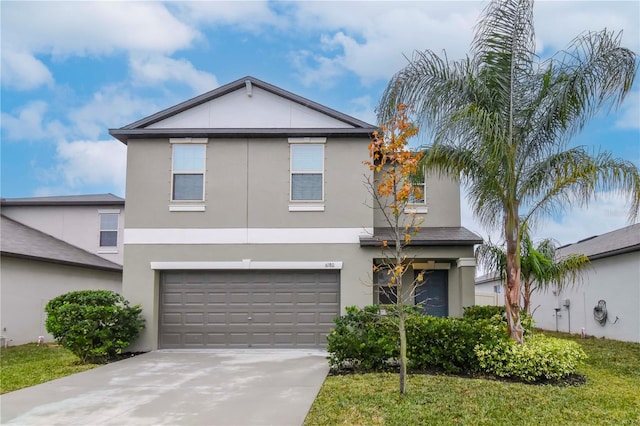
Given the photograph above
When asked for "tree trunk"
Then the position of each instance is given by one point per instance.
(512, 293)
(403, 351)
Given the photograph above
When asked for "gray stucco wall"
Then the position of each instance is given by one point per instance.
(246, 186)
(442, 201)
(28, 285)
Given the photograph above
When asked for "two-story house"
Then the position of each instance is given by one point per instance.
(50, 246)
(249, 224)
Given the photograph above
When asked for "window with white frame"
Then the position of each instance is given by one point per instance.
(108, 229)
(187, 181)
(307, 172)
(418, 195)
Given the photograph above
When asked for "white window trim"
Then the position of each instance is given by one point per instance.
(308, 139)
(189, 140)
(187, 208)
(291, 172)
(306, 207)
(204, 169)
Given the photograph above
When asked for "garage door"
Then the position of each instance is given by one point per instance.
(216, 309)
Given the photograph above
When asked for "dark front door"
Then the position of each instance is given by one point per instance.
(433, 293)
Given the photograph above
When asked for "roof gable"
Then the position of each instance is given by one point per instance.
(245, 107)
(22, 241)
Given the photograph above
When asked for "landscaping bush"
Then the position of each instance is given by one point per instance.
(539, 358)
(362, 340)
(447, 344)
(480, 312)
(93, 324)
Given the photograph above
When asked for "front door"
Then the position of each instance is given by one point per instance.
(433, 293)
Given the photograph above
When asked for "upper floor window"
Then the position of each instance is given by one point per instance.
(188, 172)
(108, 229)
(307, 172)
(418, 196)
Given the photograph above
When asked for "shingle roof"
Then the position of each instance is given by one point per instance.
(66, 200)
(18, 240)
(139, 128)
(428, 236)
(620, 241)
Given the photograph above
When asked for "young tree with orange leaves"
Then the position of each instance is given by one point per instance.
(394, 168)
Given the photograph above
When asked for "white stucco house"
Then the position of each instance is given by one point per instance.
(50, 246)
(606, 303)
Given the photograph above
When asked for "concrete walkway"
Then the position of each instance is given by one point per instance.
(221, 387)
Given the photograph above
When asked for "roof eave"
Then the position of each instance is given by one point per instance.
(115, 268)
(123, 135)
(371, 242)
(9, 203)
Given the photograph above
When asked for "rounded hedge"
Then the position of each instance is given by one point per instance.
(96, 325)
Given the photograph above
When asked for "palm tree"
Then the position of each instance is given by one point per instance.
(501, 120)
(540, 265)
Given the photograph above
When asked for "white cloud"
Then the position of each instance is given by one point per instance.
(22, 71)
(247, 15)
(89, 163)
(363, 108)
(374, 45)
(111, 106)
(29, 123)
(580, 16)
(629, 117)
(158, 69)
(62, 28)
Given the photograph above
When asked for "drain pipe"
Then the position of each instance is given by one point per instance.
(567, 304)
(557, 314)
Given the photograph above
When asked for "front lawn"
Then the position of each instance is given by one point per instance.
(28, 365)
(610, 396)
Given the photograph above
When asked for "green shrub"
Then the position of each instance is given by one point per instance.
(447, 344)
(479, 312)
(93, 324)
(363, 340)
(539, 358)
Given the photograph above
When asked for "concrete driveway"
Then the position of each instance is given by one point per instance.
(220, 387)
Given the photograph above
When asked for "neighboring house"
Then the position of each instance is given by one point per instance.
(489, 290)
(249, 224)
(91, 222)
(611, 284)
(35, 267)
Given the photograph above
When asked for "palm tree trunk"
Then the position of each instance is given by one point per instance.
(512, 293)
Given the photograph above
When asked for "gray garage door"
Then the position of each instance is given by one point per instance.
(215, 309)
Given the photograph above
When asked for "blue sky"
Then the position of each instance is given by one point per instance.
(72, 70)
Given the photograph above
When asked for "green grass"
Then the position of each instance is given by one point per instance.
(610, 396)
(28, 365)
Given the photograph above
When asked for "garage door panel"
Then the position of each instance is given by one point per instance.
(212, 308)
